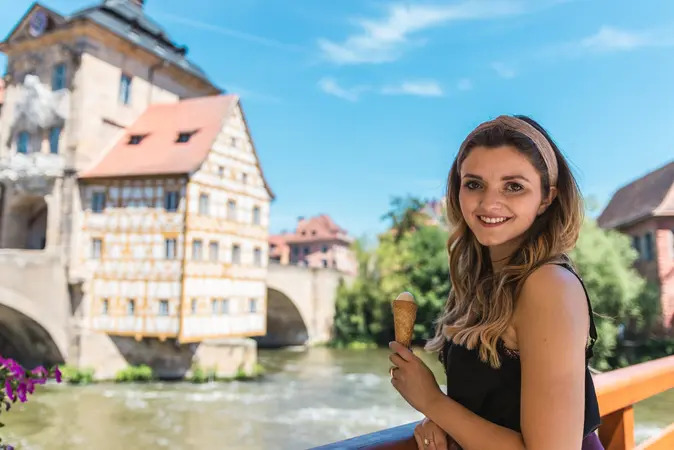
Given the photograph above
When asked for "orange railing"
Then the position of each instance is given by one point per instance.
(618, 391)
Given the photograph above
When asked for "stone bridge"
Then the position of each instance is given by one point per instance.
(300, 305)
(34, 307)
(36, 323)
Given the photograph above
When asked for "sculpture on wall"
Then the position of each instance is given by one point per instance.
(36, 109)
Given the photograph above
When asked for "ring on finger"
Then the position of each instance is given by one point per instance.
(426, 442)
(391, 370)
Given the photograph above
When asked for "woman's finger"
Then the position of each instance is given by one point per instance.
(418, 438)
(396, 359)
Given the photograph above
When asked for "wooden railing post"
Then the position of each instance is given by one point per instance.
(617, 430)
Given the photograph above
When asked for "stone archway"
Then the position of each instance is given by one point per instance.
(26, 223)
(285, 325)
(26, 341)
(29, 332)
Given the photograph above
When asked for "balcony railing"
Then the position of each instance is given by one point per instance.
(618, 391)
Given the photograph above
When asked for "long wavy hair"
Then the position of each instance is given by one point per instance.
(481, 302)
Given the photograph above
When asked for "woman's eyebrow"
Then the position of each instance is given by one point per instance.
(503, 178)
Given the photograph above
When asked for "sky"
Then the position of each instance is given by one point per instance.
(352, 102)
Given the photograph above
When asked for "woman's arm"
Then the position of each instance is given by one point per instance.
(551, 322)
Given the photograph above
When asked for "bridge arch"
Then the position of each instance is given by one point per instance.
(285, 324)
(27, 335)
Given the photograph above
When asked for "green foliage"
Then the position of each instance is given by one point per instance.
(76, 375)
(413, 257)
(199, 374)
(134, 374)
(410, 258)
(619, 295)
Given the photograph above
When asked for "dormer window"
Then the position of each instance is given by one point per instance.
(136, 139)
(184, 136)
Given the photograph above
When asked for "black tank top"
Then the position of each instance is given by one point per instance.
(494, 394)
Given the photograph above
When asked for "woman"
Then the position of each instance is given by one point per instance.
(517, 332)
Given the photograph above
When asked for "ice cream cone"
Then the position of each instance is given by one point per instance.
(404, 315)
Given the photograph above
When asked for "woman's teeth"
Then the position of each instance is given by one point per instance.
(493, 219)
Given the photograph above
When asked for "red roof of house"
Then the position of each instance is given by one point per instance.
(319, 228)
(158, 127)
(650, 195)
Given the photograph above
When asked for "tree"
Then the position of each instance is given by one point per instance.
(619, 295)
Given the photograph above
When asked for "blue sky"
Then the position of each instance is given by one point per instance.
(353, 101)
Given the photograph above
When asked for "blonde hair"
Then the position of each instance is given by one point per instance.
(481, 303)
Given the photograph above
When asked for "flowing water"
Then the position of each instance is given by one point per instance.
(308, 398)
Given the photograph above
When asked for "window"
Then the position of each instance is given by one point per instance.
(58, 77)
(636, 244)
(130, 307)
(296, 251)
(105, 306)
(233, 142)
(54, 137)
(96, 248)
(221, 172)
(170, 248)
(203, 204)
(244, 178)
(163, 307)
(171, 201)
(252, 305)
(193, 306)
(214, 306)
(325, 263)
(648, 246)
(306, 250)
(257, 256)
(97, 202)
(231, 210)
(213, 250)
(125, 89)
(256, 215)
(22, 142)
(224, 306)
(197, 250)
(236, 254)
(136, 139)
(325, 249)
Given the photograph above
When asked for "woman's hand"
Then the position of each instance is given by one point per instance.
(412, 378)
(429, 436)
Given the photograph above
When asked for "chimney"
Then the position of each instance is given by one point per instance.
(139, 3)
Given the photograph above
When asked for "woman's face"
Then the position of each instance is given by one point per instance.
(500, 196)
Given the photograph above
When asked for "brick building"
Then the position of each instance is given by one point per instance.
(644, 210)
(316, 242)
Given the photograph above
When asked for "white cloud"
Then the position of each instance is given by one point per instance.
(386, 38)
(610, 39)
(464, 84)
(330, 86)
(230, 32)
(420, 88)
(248, 94)
(503, 70)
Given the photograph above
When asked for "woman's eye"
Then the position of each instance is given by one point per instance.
(514, 187)
(472, 185)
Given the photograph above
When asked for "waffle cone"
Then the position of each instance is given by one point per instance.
(404, 315)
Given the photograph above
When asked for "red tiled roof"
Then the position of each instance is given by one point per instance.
(158, 153)
(650, 195)
(319, 228)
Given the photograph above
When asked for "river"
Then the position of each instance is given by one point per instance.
(308, 398)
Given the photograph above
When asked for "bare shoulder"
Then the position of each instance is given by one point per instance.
(555, 298)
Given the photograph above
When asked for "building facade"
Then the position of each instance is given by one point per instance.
(316, 242)
(644, 210)
(119, 156)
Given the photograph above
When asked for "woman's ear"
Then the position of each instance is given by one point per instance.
(546, 202)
